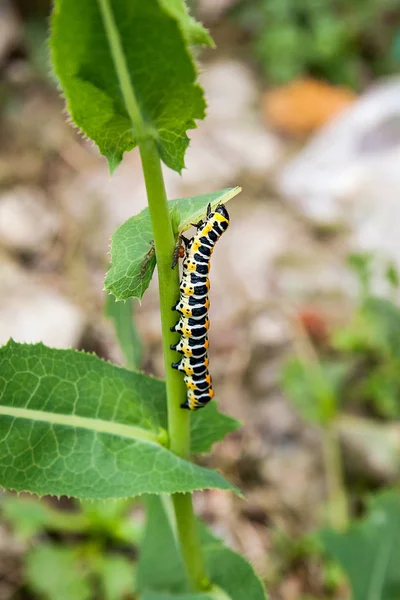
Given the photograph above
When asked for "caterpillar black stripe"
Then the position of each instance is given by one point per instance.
(193, 305)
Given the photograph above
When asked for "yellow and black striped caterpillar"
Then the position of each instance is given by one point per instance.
(193, 305)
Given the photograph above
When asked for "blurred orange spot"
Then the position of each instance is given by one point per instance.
(304, 105)
(315, 324)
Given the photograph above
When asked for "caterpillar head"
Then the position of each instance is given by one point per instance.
(222, 211)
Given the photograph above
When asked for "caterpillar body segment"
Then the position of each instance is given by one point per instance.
(191, 346)
(189, 327)
(191, 365)
(193, 305)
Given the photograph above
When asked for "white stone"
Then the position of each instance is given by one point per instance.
(31, 312)
(26, 223)
(358, 148)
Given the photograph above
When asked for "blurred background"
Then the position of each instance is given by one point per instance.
(304, 114)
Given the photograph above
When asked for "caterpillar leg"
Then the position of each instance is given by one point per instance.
(179, 251)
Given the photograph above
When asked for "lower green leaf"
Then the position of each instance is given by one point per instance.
(230, 571)
(73, 424)
(161, 573)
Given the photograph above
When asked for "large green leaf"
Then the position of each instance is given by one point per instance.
(132, 251)
(161, 575)
(369, 552)
(73, 424)
(154, 70)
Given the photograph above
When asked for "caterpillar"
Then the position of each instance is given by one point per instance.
(193, 305)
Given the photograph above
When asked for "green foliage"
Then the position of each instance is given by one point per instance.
(107, 95)
(362, 366)
(57, 573)
(336, 40)
(76, 425)
(314, 388)
(369, 552)
(132, 251)
(121, 314)
(371, 340)
(231, 574)
(116, 577)
(54, 572)
(164, 596)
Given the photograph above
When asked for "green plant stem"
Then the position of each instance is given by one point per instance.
(189, 540)
(178, 419)
(338, 502)
(168, 284)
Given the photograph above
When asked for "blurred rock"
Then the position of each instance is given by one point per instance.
(269, 331)
(27, 223)
(277, 420)
(232, 140)
(293, 470)
(304, 105)
(30, 312)
(355, 153)
(20, 167)
(264, 375)
(9, 30)
(371, 449)
(211, 10)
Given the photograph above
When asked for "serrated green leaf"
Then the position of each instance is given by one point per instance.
(73, 424)
(230, 574)
(154, 72)
(121, 314)
(193, 31)
(132, 252)
(55, 573)
(369, 552)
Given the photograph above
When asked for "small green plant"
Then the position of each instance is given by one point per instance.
(358, 370)
(94, 552)
(369, 551)
(370, 344)
(72, 424)
(336, 40)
